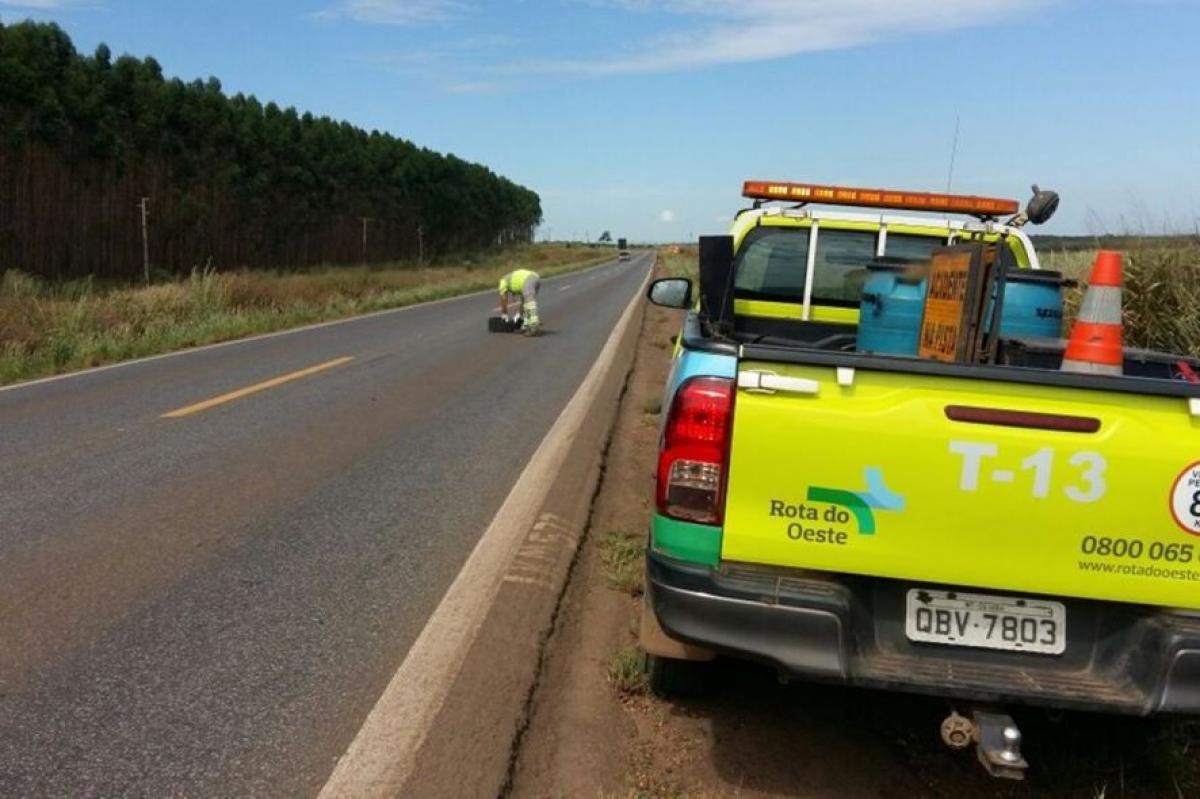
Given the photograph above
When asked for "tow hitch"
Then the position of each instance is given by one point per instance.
(996, 737)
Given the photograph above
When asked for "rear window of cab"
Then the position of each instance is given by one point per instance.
(773, 261)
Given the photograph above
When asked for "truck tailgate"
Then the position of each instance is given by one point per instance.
(918, 477)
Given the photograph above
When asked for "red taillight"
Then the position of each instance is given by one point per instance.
(693, 460)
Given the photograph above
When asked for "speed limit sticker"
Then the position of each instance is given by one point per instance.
(1185, 499)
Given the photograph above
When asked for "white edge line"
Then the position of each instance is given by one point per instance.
(274, 334)
(382, 755)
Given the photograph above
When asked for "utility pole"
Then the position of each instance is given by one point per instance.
(421, 245)
(145, 240)
(365, 221)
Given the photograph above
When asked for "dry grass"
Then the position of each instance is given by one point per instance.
(625, 671)
(1162, 294)
(680, 261)
(1162, 299)
(621, 552)
(46, 329)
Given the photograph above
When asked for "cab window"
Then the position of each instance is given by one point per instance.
(841, 269)
(912, 248)
(772, 263)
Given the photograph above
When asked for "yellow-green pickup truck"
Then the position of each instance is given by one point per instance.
(994, 533)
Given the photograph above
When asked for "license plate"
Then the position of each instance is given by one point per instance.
(986, 622)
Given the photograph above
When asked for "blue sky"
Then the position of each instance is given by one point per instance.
(644, 116)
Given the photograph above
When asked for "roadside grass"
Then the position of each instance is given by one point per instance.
(1161, 301)
(625, 671)
(680, 261)
(50, 328)
(621, 553)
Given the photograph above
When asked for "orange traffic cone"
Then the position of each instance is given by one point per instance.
(1095, 345)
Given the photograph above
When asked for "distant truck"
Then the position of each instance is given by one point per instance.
(985, 533)
(623, 249)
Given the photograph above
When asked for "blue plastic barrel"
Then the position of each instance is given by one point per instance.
(1033, 305)
(889, 313)
(892, 305)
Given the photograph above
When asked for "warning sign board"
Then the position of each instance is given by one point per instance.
(951, 304)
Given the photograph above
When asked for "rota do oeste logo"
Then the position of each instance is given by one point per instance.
(825, 516)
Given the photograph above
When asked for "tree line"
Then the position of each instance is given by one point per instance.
(230, 181)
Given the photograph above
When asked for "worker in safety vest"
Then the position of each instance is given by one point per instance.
(521, 286)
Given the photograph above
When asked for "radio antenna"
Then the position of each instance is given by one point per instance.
(953, 154)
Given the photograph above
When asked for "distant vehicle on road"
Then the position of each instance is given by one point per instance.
(833, 505)
(623, 249)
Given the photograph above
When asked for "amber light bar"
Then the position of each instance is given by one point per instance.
(879, 198)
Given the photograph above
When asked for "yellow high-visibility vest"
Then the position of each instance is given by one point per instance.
(514, 282)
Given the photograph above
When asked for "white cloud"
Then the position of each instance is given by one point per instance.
(39, 4)
(732, 31)
(391, 12)
(667, 216)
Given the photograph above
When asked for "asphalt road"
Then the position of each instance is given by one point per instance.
(210, 603)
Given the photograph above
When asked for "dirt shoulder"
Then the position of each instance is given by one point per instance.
(594, 732)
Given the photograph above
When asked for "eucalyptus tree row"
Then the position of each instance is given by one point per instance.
(229, 181)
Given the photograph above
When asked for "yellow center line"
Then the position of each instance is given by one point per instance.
(254, 389)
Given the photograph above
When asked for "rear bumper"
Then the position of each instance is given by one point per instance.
(1119, 658)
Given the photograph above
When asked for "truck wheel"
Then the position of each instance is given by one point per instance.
(669, 677)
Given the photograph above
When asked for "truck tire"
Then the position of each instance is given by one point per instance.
(668, 677)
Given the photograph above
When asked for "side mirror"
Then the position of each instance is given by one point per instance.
(671, 292)
(1041, 206)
